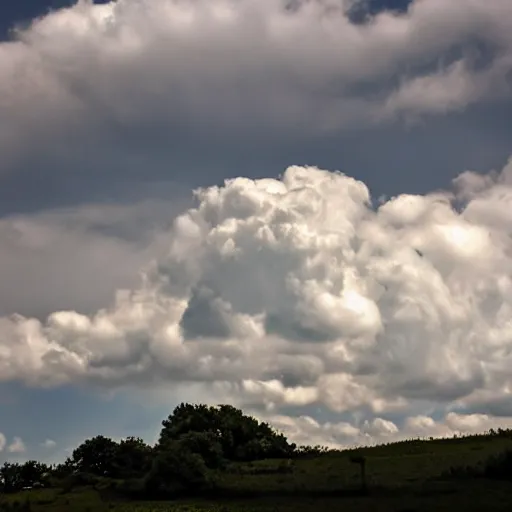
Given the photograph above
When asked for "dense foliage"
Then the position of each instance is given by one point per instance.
(195, 441)
(14, 476)
(217, 458)
(226, 431)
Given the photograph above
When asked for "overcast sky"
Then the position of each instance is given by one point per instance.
(299, 207)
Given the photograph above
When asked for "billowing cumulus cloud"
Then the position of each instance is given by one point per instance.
(14, 448)
(309, 431)
(272, 61)
(144, 83)
(289, 294)
(17, 446)
(300, 291)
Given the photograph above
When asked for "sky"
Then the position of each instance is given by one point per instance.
(300, 207)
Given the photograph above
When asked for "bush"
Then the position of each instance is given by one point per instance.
(205, 444)
(496, 467)
(499, 467)
(78, 479)
(176, 471)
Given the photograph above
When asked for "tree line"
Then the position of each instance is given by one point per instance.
(197, 445)
(196, 442)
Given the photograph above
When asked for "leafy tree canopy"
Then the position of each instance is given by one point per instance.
(102, 456)
(194, 442)
(15, 476)
(239, 436)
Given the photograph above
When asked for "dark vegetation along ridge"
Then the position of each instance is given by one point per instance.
(218, 459)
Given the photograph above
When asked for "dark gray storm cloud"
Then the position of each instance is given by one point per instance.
(101, 100)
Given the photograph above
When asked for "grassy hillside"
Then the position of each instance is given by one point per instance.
(406, 476)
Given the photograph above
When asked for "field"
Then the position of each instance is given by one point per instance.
(408, 476)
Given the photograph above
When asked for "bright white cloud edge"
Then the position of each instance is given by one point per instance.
(448, 344)
(297, 292)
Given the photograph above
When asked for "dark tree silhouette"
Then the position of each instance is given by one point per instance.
(132, 458)
(14, 476)
(176, 470)
(95, 456)
(240, 437)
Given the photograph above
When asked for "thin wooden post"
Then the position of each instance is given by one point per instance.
(361, 460)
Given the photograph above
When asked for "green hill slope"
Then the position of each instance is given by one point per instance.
(405, 476)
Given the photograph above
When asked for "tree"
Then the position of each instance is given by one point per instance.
(15, 476)
(33, 472)
(175, 470)
(132, 458)
(187, 418)
(10, 476)
(240, 437)
(205, 444)
(96, 456)
(63, 469)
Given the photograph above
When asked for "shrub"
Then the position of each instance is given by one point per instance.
(499, 466)
(176, 470)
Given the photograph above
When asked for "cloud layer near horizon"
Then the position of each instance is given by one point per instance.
(299, 292)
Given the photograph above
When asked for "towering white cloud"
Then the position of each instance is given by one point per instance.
(298, 291)
(295, 292)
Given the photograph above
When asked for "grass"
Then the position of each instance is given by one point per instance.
(409, 476)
